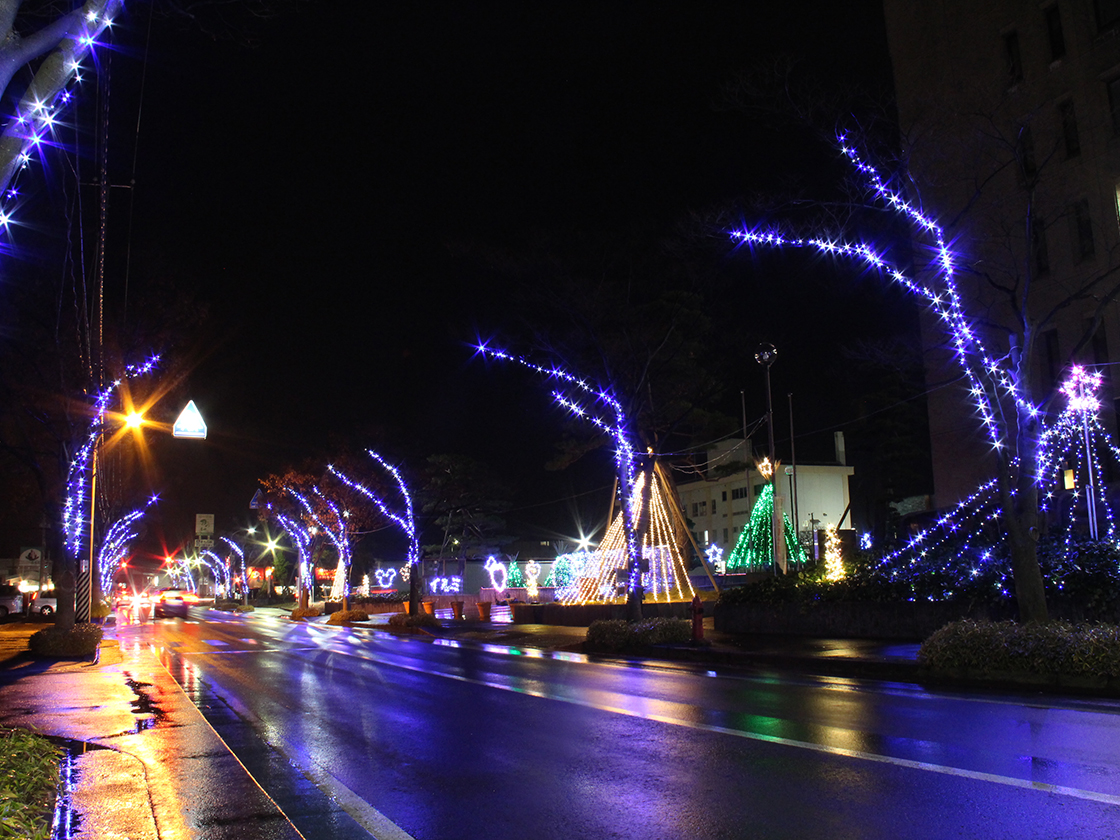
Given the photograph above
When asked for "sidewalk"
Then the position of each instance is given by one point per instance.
(153, 768)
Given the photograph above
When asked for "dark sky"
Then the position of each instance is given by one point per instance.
(319, 192)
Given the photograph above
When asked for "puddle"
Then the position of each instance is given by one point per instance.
(66, 821)
(147, 712)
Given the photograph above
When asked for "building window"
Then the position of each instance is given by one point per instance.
(725, 536)
(713, 507)
(724, 495)
(740, 492)
(1013, 57)
(1070, 136)
(1054, 33)
(1082, 229)
(1039, 251)
(1108, 14)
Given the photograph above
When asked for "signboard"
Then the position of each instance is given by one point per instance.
(189, 424)
(203, 543)
(257, 500)
(204, 524)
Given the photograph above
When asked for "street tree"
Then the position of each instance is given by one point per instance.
(314, 506)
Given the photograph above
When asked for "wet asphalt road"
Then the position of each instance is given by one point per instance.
(442, 741)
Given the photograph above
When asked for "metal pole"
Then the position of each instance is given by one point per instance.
(1091, 489)
(793, 463)
(746, 441)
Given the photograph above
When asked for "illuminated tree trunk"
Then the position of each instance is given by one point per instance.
(637, 564)
(414, 577)
(65, 37)
(1022, 520)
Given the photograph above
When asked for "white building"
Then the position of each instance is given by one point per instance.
(719, 508)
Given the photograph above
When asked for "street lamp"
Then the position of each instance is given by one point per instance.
(765, 356)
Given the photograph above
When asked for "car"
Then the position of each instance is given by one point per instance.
(11, 600)
(42, 604)
(173, 601)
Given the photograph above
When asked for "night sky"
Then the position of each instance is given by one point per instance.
(321, 196)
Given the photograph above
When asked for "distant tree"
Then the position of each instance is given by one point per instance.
(466, 500)
(332, 514)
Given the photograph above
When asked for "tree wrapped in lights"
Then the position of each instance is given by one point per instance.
(1077, 436)
(78, 505)
(114, 545)
(219, 571)
(997, 381)
(405, 520)
(570, 393)
(516, 578)
(243, 576)
(66, 42)
(532, 573)
(303, 539)
(754, 550)
(833, 558)
(329, 514)
(565, 571)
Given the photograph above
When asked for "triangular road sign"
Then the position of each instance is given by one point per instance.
(190, 423)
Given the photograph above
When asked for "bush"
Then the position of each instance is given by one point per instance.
(300, 613)
(100, 609)
(617, 635)
(80, 641)
(346, 616)
(29, 774)
(421, 619)
(1054, 648)
(383, 598)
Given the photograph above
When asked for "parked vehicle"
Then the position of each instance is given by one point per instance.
(11, 600)
(43, 604)
(174, 602)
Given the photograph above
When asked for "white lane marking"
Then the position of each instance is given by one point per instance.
(1010, 781)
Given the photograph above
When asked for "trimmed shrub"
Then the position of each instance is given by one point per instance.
(1054, 648)
(617, 635)
(300, 613)
(79, 641)
(100, 609)
(346, 616)
(419, 620)
(226, 605)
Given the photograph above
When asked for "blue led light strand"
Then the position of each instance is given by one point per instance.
(617, 425)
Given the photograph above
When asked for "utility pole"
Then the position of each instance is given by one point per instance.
(765, 356)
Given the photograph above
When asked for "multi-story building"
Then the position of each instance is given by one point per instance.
(1010, 119)
(718, 508)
